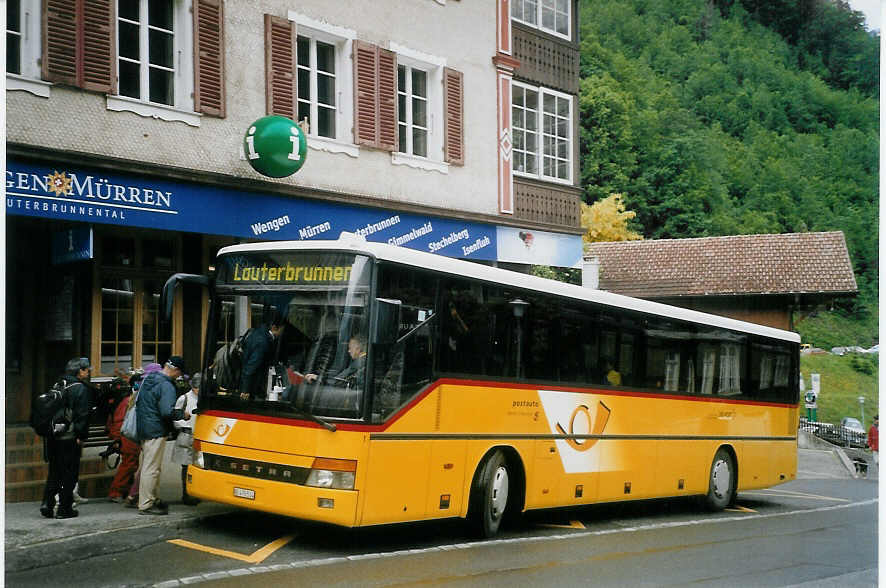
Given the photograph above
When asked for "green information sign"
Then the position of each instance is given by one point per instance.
(275, 146)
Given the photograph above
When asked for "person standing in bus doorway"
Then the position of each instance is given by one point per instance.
(258, 354)
(156, 399)
(183, 450)
(874, 439)
(63, 449)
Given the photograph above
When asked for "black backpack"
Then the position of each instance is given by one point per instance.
(48, 410)
(228, 362)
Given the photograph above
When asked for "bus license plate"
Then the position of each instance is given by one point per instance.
(244, 493)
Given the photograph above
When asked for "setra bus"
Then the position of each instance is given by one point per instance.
(408, 386)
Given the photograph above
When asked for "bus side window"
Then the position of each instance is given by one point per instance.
(458, 311)
(388, 386)
(402, 369)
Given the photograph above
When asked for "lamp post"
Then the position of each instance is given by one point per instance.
(519, 308)
(861, 403)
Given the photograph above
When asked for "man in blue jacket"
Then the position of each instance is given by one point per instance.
(156, 399)
(259, 349)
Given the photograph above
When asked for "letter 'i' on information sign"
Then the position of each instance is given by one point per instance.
(275, 146)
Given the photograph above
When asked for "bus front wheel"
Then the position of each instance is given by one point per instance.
(721, 482)
(489, 496)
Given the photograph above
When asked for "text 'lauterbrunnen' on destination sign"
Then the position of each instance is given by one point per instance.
(291, 274)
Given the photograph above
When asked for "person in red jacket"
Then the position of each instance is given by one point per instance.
(129, 450)
(874, 439)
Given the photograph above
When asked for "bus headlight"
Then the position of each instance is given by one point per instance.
(198, 456)
(332, 473)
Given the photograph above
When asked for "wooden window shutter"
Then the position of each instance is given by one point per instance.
(453, 114)
(78, 44)
(375, 96)
(280, 66)
(61, 21)
(98, 69)
(209, 57)
(365, 94)
(388, 137)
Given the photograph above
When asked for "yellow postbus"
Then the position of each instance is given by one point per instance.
(407, 386)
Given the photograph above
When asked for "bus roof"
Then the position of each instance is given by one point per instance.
(349, 242)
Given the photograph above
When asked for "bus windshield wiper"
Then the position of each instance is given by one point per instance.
(312, 417)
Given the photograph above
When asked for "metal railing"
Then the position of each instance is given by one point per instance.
(835, 434)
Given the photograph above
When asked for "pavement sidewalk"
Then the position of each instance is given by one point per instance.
(33, 541)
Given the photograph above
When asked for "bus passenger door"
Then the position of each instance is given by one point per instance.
(397, 481)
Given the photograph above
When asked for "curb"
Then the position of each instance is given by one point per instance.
(847, 463)
(60, 549)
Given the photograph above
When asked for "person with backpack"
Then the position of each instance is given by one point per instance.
(63, 445)
(154, 409)
(131, 500)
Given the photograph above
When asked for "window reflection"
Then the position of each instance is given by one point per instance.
(118, 296)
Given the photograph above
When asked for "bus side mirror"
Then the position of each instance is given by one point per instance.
(168, 297)
(386, 321)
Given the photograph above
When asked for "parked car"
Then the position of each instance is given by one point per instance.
(853, 432)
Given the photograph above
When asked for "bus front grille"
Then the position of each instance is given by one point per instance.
(256, 469)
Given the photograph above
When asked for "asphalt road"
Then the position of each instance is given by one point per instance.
(817, 532)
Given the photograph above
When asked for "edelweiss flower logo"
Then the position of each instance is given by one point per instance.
(59, 183)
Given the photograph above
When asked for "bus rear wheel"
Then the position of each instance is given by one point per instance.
(490, 494)
(721, 482)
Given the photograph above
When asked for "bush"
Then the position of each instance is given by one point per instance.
(863, 364)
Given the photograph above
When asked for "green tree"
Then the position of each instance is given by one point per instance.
(734, 117)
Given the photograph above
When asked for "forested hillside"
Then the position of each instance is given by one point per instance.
(722, 117)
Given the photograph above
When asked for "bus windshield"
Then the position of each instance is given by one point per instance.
(289, 335)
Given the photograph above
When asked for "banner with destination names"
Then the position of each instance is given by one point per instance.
(71, 193)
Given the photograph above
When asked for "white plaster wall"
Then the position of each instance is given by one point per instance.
(462, 32)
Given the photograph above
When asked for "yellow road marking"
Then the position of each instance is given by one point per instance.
(738, 508)
(257, 557)
(267, 550)
(571, 525)
(790, 494)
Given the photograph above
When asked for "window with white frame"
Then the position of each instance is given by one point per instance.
(317, 85)
(420, 109)
(14, 36)
(153, 52)
(541, 121)
(412, 110)
(552, 16)
(23, 47)
(324, 83)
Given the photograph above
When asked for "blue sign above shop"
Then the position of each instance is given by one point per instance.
(94, 196)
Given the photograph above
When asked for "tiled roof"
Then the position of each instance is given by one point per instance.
(801, 263)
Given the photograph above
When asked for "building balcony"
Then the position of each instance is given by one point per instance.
(540, 202)
(546, 60)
